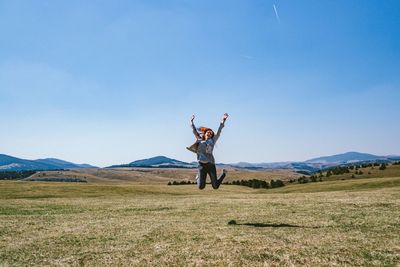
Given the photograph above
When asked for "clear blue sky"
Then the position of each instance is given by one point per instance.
(109, 82)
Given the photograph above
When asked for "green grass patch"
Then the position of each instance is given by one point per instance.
(42, 190)
(37, 210)
(339, 185)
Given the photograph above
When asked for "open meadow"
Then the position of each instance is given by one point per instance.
(352, 222)
(156, 175)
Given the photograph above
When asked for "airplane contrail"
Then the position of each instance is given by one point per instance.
(276, 13)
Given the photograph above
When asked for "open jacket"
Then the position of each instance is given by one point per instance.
(204, 148)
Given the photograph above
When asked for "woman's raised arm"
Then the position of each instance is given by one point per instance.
(222, 124)
(196, 134)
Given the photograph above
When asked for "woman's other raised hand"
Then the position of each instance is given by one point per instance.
(224, 117)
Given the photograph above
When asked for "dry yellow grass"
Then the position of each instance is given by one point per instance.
(159, 175)
(61, 224)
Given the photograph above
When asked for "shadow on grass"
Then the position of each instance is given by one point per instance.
(273, 225)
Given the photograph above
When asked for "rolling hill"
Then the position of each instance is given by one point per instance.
(308, 166)
(344, 158)
(316, 164)
(9, 163)
(157, 162)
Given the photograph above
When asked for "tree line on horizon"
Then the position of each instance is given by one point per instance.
(15, 175)
(253, 183)
(347, 169)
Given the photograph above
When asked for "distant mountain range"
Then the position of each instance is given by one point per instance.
(308, 166)
(9, 163)
(157, 162)
(316, 164)
(348, 157)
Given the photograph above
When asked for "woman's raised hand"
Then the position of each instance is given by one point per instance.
(225, 116)
(192, 119)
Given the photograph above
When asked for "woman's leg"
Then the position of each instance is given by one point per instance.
(213, 176)
(201, 176)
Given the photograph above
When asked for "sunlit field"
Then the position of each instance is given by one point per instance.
(352, 222)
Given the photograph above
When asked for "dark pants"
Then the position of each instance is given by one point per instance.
(208, 168)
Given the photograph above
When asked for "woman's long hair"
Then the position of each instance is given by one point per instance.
(203, 131)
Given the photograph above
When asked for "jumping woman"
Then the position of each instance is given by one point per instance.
(203, 147)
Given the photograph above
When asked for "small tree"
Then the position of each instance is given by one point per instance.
(264, 184)
(382, 167)
(255, 183)
(301, 180)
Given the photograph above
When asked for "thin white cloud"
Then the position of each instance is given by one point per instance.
(276, 13)
(247, 57)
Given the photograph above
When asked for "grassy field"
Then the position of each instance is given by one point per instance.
(353, 223)
(368, 172)
(162, 176)
(158, 175)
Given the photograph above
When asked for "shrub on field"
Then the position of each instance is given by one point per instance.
(15, 175)
(180, 182)
(253, 183)
(303, 180)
